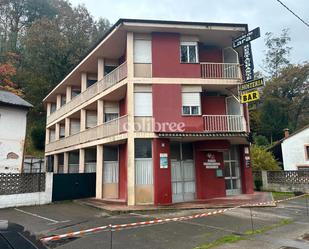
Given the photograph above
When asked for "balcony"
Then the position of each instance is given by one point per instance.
(117, 75)
(220, 71)
(224, 123)
(111, 128)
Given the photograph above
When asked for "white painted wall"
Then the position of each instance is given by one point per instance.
(293, 150)
(12, 137)
(29, 199)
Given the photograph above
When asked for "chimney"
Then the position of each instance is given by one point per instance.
(286, 132)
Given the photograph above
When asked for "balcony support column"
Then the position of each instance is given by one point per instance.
(130, 111)
(48, 108)
(83, 113)
(81, 161)
(58, 101)
(99, 172)
(47, 136)
(68, 94)
(57, 131)
(66, 162)
(100, 112)
(67, 127)
(101, 65)
(83, 82)
(56, 162)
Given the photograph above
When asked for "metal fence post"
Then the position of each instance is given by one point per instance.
(111, 238)
(252, 228)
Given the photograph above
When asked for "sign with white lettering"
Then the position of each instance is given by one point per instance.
(248, 62)
(251, 84)
(243, 39)
(211, 162)
(249, 97)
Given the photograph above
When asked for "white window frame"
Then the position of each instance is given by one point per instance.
(191, 106)
(187, 44)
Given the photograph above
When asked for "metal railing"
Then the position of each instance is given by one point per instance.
(115, 76)
(224, 123)
(107, 129)
(220, 70)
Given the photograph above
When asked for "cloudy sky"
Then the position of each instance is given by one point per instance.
(269, 15)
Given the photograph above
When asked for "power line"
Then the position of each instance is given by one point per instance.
(302, 20)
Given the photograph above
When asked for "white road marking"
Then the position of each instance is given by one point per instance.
(39, 216)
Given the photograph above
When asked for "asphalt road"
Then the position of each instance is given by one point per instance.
(69, 216)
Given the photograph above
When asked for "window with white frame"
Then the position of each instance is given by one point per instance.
(191, 103)
(143, 104)
(111, 111)
(188, 52)
(142, 51)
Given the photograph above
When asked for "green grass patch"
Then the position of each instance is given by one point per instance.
(282, 195)
(234, 238)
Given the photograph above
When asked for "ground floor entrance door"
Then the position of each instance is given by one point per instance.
(110, 172)
(232, 171)
(183, 173)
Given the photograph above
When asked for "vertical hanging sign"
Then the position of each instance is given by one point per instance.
(248, 62)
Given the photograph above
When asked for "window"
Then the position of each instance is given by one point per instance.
(74, 126)
(62, 131)
(53, 107)
(63, 100)
(75, 92)
(111, 111)
(110, 153)
(188, 52)
(90, 82)
(142, 51)
(191, 103)
(143, 148)
(91, 119)
(143, 104)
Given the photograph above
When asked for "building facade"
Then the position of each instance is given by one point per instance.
(13, 122)
(153, 109)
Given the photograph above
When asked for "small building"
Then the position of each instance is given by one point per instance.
(13, 122)
(292, 151)
(153, 110)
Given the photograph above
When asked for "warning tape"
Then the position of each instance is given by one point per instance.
(157, 221)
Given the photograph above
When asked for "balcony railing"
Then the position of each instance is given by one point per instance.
(107, 129)
(115, 76)
(220, 70)
(224, 123)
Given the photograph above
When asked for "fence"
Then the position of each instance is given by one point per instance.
(224, 123)
(283, 181)
(220, 70)
(33, 165)
(25, 189)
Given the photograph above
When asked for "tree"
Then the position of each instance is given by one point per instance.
(261, 140)
(278, 51)
(262, 159)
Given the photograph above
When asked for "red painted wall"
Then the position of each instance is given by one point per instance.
(210, 54)
(207, 184)
(123, 171)
(246, 173)
(162, 177)
(167, 104)
(166, 58)
(213, 105)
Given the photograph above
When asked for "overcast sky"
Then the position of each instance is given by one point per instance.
(269, 15)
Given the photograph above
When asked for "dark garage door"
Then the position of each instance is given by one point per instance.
(73, 186)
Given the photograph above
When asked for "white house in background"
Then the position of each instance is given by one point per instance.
(293, 150)
(13, 121)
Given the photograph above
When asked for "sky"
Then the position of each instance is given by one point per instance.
(269, 15)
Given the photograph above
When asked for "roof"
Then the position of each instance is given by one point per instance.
(12, 99)
(123, 21)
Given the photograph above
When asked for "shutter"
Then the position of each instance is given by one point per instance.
(191, 89)
(111, 107)
(52, 135)
(91, 119)
(142, 51)
(143, 104)
(191, 99)
(62, 130)
(75, 126)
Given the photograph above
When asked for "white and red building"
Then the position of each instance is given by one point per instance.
(153, 110)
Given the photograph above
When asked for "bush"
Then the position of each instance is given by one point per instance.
(262, 159)
(38, 137)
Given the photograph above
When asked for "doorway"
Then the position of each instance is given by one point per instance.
(232, 171)
(110, 172)
(183, 173)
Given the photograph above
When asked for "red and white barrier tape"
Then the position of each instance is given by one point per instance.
(157, 221)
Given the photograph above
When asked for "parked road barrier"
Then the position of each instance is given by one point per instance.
(157, 221)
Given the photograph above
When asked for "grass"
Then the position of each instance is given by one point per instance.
(234, 238)
(282, 195)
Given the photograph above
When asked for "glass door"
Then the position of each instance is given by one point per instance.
(232, 171)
